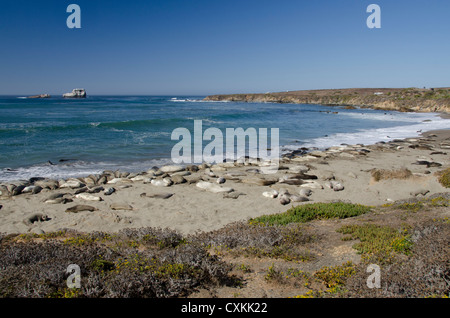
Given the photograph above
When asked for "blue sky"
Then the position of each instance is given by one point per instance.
(201, 47)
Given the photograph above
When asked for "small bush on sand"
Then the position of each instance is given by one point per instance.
(381, 174)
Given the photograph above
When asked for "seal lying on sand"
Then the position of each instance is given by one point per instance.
(35, 217)
(211, 187)
(121, 206)
(157, 196)
(59, 200)
(79, 208)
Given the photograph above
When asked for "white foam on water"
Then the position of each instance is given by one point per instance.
(372, 136)
(175, 99)
(391, 116)
(75, 169)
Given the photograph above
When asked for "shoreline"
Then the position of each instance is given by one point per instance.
(144, 200)
(80, 168)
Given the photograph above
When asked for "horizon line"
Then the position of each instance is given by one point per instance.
(196, 94)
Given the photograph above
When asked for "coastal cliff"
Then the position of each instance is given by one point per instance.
(399, 99)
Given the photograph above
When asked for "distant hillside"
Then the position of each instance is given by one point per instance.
(400, 99)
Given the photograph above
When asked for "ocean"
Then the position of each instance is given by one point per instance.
(61, 138)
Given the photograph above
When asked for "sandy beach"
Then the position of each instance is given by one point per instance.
(340, 173)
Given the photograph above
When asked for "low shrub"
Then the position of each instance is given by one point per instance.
(444, 178)
(424, 273)
(38, 268)
(378, 243)
(308, 212)
(255, 240)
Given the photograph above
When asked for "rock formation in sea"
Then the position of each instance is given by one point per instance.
(40, 96)
(76, 93)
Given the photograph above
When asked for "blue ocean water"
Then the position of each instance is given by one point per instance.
(59, 138)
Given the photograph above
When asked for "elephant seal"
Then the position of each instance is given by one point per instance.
(211, 187)
(109, 191)
(79, 208)
(121, 206)
(305, 192)
(270, 194)
(336, 186)
(88, 197)
(166, 182)
(285, 199)
(18, 190)
(35, 217)
(157, 196)
(232, 195)
(59, 200)
(297, 198)
(36, 189)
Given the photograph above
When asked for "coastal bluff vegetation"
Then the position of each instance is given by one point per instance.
(398, 99)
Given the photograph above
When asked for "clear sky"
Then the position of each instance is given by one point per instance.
(201, 47)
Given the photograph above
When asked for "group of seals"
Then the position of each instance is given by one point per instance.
(285, 197)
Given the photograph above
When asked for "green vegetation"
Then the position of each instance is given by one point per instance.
(289, 276)
(439, 202)
(412, 207)
(378, 243)
(283, 251)
(273, 274)
(417, 205)
(336, 276)
(444, 178)
(65, 293)
(101, 265)
(308, 212)
(244, 268)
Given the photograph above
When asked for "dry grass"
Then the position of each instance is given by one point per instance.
(382, 174)
(162, 263)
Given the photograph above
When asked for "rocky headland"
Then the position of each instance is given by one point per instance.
(399, 99)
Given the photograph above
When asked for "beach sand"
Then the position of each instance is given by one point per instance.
(191, 209)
